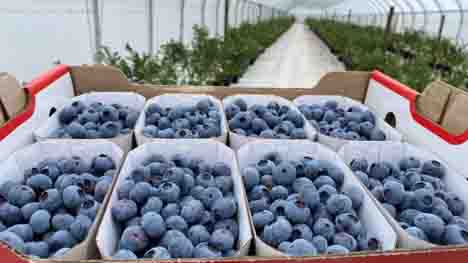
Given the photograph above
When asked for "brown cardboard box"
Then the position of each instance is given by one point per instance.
(12, 96)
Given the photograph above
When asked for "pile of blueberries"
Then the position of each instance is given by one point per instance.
(273, 121)
(414, 194)
(177, 208)
(183, 122)
(96, 120)
(54, 207)
(353, 123)
(298, 207)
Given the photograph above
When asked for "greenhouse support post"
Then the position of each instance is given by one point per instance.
(349, 15)
(97, 31)
(182, 21)
(388, 27)
(150, 27)
(260, 11)
(226, 16)
(203, 15)
(441, 28)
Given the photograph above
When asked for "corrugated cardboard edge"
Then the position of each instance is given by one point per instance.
(432, 102)
(456, 111)
(142, 139)
(12, 96)
(283, 147)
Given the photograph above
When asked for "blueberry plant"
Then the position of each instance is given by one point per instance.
(205, 61)
(412, 57)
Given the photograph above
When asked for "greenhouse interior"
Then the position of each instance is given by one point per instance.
(234, 131)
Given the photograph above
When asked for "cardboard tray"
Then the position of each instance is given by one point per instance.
(335, 143)
(172, 100)
(209, 150)
(369, 214)
(236, 140)
(394, 152)
(13, 169)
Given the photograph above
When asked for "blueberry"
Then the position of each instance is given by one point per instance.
(378, 193)
(432, 225)
(455, 235)
(28, 209)
(37, 248)
(408, 215)
(62, 221)
(102, 163)
(259, 205)
(410, 178)
(24, 231)
(141, 192)
(241, 104)
(174, 175)
(13, 240)
(329, 116)
(320, 243)
(40, 221)
(123, 210)
(123, 192)
(443, 212)
(325, 228)
(359, 165)
(39, 182)
(136, 221)
(455, 204)
(283, 246)
(61, 239)
(369, 242)
(251, 177)
(302, 231)
(102, 188)
(348, 223)
(277, 232)
(284, 174)
(10, 214)
(417, 233)
(205, 179)
(180, 247)
(409, 163)
(73, 196)
(259, 192)
(272, 119)
(170, 210)
(325, 192)
(338, 204)
(324, 180)
(345, 240)
(158, 253)
(224, 208)
(80, 227)
(153, 225)
(210, 195)
(301, 247)
(262, 218)
(424, 200)
(394, 192)
(198, 234)
(197, 192)
(89, 208)
(379, 171)
(433, 168)
(153, 204)
(279, 192)
(204, 250)
(134, 239)
(67, 114)
(21, 195)
(297, 212)
(124, 254)
(193, 211)
(265, 166)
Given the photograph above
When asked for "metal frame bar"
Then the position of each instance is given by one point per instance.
(426, 20)
(150, 18)
(203, 13)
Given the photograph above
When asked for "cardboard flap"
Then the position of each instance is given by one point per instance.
(431, 103)
(12, 96)
(88, 78)
(455, 119)
(349, 84)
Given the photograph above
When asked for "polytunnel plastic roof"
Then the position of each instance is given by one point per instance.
(366, 6)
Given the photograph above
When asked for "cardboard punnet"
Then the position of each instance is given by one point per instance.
(14, 167)
(369, 214)
(335, 143)
(211, 151)
(125, 141)
(394, 152)
(237, 140)
(181, 99)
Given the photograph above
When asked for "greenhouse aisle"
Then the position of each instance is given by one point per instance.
(298, 59)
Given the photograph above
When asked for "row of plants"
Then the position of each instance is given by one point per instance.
(205, 61)
(413, 57)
